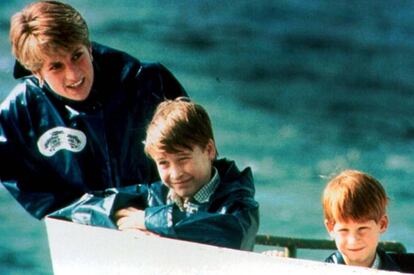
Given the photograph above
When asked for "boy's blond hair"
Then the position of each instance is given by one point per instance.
(354, 195)
(45, 27)
(178, 124)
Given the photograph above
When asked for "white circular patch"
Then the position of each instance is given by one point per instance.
(61, 138)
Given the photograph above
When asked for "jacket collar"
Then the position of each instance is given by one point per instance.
(386, 262)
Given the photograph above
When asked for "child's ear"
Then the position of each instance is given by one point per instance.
(90, 52)
(211, 149)
(329, 226)
(383, 223)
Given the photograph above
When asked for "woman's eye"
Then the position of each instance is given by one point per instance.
(55, 67)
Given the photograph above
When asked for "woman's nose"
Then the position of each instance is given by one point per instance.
(72, 72)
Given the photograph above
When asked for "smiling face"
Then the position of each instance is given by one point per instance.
(70, 73)
(186, 171)
(357, 241)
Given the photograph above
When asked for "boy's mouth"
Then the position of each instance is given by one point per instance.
(182, 182)
(356, 249)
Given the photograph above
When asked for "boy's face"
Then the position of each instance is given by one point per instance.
(357, 241)
(186, 171)
(69, 74)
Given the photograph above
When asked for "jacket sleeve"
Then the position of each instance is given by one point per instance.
(16, 165)
(97, 208)
(8, 161)
(37, 204)
(233, 226)
(171, 87)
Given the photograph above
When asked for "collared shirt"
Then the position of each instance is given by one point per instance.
(202, 196)
(375, 265)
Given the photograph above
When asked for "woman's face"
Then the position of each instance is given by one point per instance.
(69, 73)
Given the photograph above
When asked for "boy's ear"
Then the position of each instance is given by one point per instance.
(329, 226)
(383, 223)
(211, 149)
(90, 52)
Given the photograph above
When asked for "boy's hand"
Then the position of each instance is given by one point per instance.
(130, 218)
(274, 253)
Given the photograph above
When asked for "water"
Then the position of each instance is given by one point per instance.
(297, 90)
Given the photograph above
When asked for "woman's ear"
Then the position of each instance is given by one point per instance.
(39, 78)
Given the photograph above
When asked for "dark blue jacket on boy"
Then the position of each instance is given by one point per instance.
(53, 150)
(402, 262)
(229, 219)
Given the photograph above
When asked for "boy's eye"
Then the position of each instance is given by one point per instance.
(77, 55)
(162, 163)
(183, 158)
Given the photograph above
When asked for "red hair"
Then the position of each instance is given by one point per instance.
(354, 195)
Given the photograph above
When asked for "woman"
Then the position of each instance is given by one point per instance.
(76, 121)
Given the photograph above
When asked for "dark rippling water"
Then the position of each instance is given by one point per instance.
(297, 90)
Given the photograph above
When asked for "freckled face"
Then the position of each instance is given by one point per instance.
(69, 74)
(357, 241)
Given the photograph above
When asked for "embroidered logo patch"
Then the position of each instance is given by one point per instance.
(61, 138)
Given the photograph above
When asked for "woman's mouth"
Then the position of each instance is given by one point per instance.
(76, 84)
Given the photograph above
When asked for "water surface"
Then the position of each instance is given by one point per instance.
(298, 90)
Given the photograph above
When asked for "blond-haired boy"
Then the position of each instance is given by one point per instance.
(354, 206)
(200, 198)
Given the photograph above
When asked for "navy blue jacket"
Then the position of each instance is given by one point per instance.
(230, 218)
(402, 262)
(53, 149)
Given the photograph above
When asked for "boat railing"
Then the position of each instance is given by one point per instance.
(292, 244)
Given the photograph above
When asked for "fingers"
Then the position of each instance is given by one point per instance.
(130, 218)
(126, 223)
(149, 233)
(125, 212)
(274, 253)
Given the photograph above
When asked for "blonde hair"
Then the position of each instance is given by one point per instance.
(354, 195)
(178, 124)
(45, 27)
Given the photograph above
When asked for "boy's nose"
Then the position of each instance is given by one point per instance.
(353, 238)
(176, 173)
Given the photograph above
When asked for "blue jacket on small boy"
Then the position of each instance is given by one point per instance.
(401, 262)
(230, 218)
